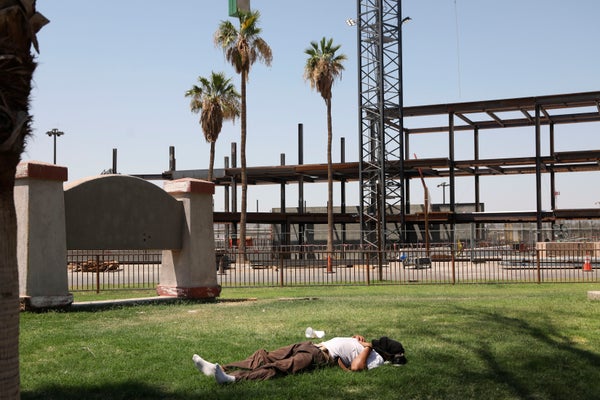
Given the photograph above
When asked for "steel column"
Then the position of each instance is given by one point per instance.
(552, 174)
(452, 173)
(476, 179)
(234, 187)
(343, 186)
(226, 189)
(301, 227)
(538, 173)
(285, 237)
(476, 169)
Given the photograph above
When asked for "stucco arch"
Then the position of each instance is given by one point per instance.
(116, 212)
(111, 212)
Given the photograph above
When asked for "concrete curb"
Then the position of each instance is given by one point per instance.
(91, 305)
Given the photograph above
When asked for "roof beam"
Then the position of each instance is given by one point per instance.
(546, 114)
(527, 115)
(497, 169)
(467, 120)
(496, 118)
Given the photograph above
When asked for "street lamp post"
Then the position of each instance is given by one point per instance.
(443, 185)
(55, 132)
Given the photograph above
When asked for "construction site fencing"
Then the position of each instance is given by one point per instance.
(353, 265)
(100, 270)
(347, 265)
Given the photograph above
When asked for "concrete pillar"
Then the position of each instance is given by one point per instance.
(191, 272)
(41, 235)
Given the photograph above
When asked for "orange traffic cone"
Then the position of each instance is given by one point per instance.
(587, 264)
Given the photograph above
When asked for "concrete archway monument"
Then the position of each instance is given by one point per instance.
(111, 212)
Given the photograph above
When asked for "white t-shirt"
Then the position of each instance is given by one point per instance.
(347, 349)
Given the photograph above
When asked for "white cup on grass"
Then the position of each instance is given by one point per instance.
(310, 333)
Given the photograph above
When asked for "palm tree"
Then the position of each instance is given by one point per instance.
(242, 48)
(322, 67)
(19, 23)
(217, 100)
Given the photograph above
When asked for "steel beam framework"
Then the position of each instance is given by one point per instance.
(381, 139)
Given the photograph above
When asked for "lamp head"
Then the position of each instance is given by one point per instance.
(55, 132)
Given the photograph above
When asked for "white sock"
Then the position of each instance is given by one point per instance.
(222, 377)
(204, 366)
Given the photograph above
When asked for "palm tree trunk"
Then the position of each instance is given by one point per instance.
(19, 22)
(9, 282)
(16, 71)
(242, 235)
(211, 162)
(329, 181)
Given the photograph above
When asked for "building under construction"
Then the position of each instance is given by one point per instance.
(537, 113)
(385, 171)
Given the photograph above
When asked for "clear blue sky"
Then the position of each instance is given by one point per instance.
(112, 74)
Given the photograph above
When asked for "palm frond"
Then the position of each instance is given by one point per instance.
(323, 66)
(196, 94)
(226, 35)
(19, 24)
(243, 47)
(249, 23)
(263, 51)
(216, 99)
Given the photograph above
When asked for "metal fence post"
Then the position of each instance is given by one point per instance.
(97, 273)
(453, 259)
(368, 269)
(537, 262)
(281, 283)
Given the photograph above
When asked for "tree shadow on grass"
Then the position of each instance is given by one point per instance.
(132, 391)
(275, 389)
(120, 391)
(542, 363)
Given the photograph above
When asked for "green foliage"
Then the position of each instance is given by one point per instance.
(462, 342)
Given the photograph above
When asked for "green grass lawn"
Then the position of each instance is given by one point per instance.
(462, 342)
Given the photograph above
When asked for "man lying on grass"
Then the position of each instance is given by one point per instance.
(350, 353)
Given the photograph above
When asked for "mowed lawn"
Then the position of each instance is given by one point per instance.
(517, 341)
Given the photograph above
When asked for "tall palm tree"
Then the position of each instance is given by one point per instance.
(242, 48)
(322, 67)
(216, 100)
(19, 23)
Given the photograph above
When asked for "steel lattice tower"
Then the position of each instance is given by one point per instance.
(381, 121)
